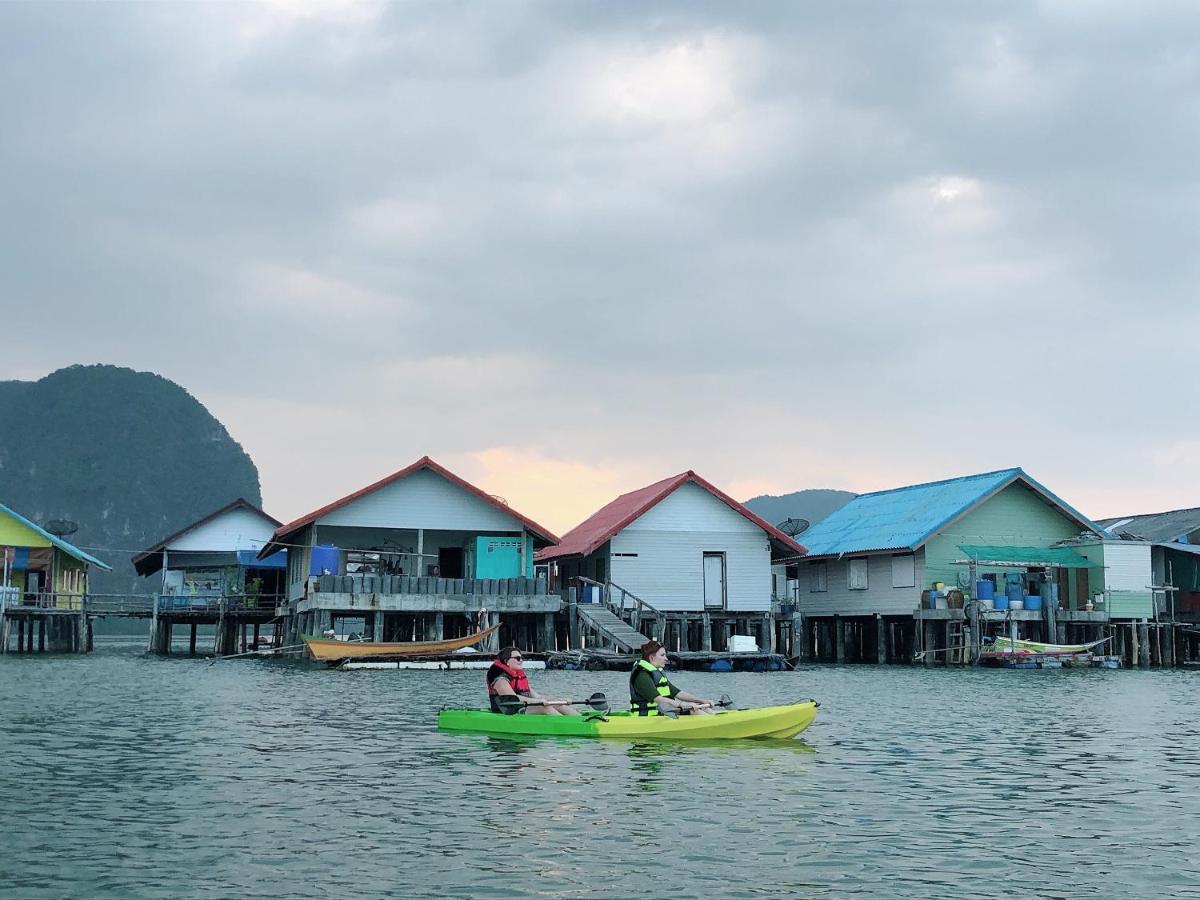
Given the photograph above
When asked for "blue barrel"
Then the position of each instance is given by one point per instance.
(984, 589)
(1014, 591)
(1033, 601)
(1001, 601)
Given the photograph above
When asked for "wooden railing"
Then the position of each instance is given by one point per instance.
(416, 584)
(14, 598)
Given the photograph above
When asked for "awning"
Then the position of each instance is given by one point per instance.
(1050, 557)
(249, 559)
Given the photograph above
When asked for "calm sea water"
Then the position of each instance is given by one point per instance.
(126, 776)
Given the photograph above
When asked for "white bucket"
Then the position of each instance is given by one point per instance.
(987, 602)
(1016, 604)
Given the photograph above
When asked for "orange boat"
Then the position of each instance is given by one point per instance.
(327, 650)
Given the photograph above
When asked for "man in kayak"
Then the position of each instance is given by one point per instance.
(506, 677)
(650, 693)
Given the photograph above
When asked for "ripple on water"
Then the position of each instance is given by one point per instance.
(128, 776)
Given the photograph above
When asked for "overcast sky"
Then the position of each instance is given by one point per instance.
(570, 249)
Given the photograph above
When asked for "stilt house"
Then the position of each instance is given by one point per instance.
(418, 555)
(878, 553)
(679, 544)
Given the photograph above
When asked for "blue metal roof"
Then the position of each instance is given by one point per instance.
(905, 518)
(56, 541)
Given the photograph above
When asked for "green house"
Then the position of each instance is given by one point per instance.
(879, 552)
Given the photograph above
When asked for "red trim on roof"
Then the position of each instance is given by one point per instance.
(423, 463)
(239, 503)
(602, 525)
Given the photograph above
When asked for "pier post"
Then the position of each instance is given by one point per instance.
(1143, 644)
(377, 626)
(881, 654)
(548, 640)
(21, 633)
(972, 654)
(192, 639)
(801, 639)
(919, 638)
(706, 632)
(1051, 616)
(1168, 660)
(685, 639)
(493, 640)
(572, 599)
(81, 629)
(839, 640)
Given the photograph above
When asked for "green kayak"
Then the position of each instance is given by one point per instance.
(765, 722)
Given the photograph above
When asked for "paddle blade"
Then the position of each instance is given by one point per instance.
(725, 700)
(598, 702)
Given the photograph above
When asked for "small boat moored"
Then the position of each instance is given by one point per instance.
(778, 722)
(331, 650)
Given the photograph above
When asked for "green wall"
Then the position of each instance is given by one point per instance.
(1015, 517)
(500, 557)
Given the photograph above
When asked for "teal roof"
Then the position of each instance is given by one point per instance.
(905, 518)
(58, 542)
(1062, 557)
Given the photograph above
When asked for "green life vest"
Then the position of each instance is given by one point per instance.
(637, 705)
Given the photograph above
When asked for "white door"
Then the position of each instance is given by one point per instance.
(714, 580)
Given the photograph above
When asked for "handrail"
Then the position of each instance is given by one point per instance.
(640, 607)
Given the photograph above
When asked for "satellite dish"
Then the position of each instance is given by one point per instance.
(62, 527)
(792, 527)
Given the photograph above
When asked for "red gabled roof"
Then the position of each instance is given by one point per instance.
(423, 463)
(239, 503)
(609, 520)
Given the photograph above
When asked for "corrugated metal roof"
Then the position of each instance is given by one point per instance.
(58, 542)
(1156, 527)
(905, 518)
(590, 534)
(1062, 557)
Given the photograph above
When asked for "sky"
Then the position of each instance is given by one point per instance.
(569, 249)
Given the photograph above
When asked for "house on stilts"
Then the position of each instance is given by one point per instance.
(679, 560)
(210, 574)
(419, 555)
(43, 589)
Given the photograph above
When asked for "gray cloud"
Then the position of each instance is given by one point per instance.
(796, 246)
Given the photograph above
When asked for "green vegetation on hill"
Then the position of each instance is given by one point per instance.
(813, 505)
(130, 456)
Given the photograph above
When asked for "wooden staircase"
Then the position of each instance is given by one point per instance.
(611, 628)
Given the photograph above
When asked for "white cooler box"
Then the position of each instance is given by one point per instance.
(742, 643)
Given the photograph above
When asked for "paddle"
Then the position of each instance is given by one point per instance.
(723, 701)
(512, 702)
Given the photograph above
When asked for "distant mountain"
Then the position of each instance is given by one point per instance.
(813, 505)
(130, 456)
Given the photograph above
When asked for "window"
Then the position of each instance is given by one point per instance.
(857, 579)
(818, 577)
(904, 570)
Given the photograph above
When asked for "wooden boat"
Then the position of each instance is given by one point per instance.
(329, 650)
(1004, 646)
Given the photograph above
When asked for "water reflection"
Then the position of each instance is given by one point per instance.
(124, 776)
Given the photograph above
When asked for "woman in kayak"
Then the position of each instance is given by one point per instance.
(650, 693)
(506, 677)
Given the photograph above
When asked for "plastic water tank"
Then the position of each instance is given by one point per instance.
(324, 560)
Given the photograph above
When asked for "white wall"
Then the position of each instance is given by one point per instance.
(238, 529)
(1127, 566)
(423, 499)
(670, 541)
(879, 597)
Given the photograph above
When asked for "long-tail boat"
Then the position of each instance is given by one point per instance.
(1009, 647)
(330, 650)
